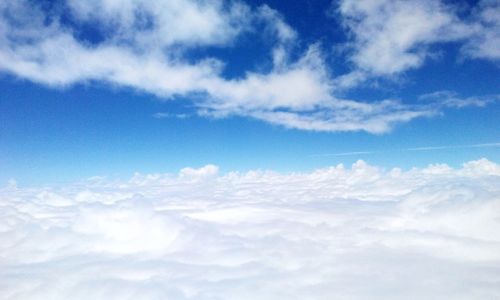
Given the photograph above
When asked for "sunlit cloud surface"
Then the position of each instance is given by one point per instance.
(357, 232)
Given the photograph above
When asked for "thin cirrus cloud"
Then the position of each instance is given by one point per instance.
(427, 148)
(453, 100)
(356, 233)
(146, 44)
(165, 115)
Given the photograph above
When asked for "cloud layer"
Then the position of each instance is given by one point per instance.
(343, 233)
(148, 46)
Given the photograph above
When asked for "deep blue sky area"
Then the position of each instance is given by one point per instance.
(51, 132)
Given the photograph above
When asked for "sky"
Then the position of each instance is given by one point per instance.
(231, 149)
(108, 89)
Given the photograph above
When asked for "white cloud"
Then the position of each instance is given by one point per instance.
(144, 45)
(393, 36)
(425, 148)
(164, 115)
(337, 232)
(164, 23)
(453, 100)
(486, 41)
(390, 37)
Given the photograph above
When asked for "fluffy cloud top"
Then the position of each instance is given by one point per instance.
(343, 233)
(147, 45)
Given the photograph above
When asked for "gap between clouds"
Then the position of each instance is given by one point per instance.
(357, 233)
(144, 45)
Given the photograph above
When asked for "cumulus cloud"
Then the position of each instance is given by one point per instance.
(360, 232)
(147, 46)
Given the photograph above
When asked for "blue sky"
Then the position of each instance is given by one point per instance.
(92, 88)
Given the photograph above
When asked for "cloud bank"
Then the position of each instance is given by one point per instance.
(342, 233)
(149, 46)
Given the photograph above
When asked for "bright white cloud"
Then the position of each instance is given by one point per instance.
(355, 233)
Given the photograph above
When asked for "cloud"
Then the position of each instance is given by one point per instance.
(147, 46)
(165, 115)
(485, 43)
(451, 99)
(357, 233)
(426, 148)
(390, 37)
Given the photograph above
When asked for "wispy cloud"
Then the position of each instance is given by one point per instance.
(146, 44)
(485, 42)
(166, 115)
(486, 145)
(389, 37)
(453, 100)
(424, 148)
